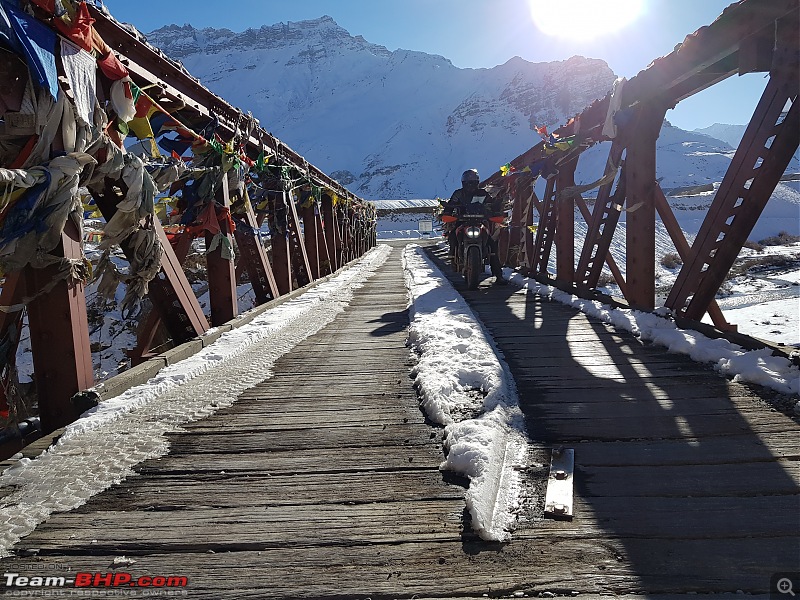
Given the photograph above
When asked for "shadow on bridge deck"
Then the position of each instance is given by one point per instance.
(691, 480)
(323, 481)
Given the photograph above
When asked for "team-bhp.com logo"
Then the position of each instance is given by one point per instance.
(95, 580)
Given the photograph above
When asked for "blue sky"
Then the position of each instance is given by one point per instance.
(482, 33)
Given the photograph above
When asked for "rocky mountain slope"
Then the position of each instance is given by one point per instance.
(388, 124)
(405, 124)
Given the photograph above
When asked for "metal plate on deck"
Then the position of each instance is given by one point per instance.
(558, 501)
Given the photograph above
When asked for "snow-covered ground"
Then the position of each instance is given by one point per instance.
(467, 387)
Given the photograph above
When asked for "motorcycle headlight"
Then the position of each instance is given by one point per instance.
(473, 232)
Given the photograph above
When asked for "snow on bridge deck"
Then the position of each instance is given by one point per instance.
(323, 480)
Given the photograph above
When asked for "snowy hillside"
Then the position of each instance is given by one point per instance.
(399, 124)
(730, 134)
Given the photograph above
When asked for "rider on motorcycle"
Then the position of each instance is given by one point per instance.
(468, 195)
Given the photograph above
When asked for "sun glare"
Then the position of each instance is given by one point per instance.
(583, 19)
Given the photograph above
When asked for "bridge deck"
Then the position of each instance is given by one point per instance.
(323, 481)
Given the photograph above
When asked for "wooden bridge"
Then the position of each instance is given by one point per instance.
(323, 481)
(318, 477)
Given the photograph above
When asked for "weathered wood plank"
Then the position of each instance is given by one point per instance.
(279, 420)
(658, 427)
(330, 460)
(304, 439)
(689, 481)
(158, 491)
(464, 568)
(764, 447)
(669, 518)
(255, 528)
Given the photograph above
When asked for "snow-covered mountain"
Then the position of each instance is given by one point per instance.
(730, 134)
(386, 124)
(405, 124)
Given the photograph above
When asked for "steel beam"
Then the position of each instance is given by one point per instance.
(59, 330)
(311, 239)
(545, 232)
(11, 294)
(684, 251)
(170, 292)
(221, 271)
(640, 230)
(281, 258)
(254, 258)
(297, 246)
(565, 223)
(323, 252)
(609, 259)
(147, 330)
(768, 144)
(330, 225)
(602, 224)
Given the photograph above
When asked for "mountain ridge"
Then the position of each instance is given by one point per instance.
(403, 123)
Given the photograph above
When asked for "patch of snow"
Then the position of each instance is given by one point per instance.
(754, 366)
(466, 386)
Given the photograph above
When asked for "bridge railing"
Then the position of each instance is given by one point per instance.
(76, 89)
(750, 36)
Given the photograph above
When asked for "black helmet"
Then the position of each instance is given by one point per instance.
(470, 177)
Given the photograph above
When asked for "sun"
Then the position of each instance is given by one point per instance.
(583, 19)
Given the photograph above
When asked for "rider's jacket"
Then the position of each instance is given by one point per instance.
(467, 201)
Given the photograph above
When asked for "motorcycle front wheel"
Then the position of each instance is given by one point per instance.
(474, 267)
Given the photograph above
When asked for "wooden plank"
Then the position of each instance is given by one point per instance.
(763, 447)
(232, 490)
(330, 460)
(347, 437)
(547, 393)
(676, 518)
(635, 409)
(667, 427)
(306, 419)
(462, 567)
(255, 528)
(749, 479)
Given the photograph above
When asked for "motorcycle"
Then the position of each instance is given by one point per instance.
(472, 244)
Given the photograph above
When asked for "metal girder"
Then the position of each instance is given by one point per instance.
(325, 263)
(221, 270)
(684, 251)
(11, 294)
(59, 331)
(254, 258)
(704, 48)
(297, 246)
(149, 67)
(221, 283)
(170, 292)
(565, 223)
(330, 223)
(757, 166)
(609, 259)
(311, 239)
(281, 257)
(603, 223)
(545, 232)
(719, 71)
(148, 328)
(640, 226)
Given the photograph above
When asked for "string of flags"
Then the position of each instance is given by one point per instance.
(552, 143)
